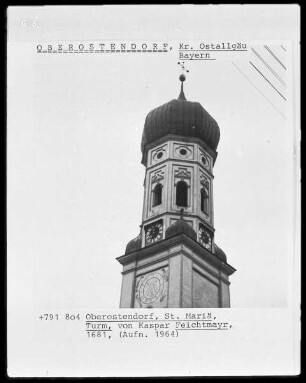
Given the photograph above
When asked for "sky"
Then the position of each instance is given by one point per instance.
(75, 178)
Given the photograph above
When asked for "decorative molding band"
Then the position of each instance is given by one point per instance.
(194, 140)
(180, 239)
(183, 161)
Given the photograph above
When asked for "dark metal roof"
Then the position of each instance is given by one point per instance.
(181, 117)
(220, 254)
(180, 227)
(133, 245)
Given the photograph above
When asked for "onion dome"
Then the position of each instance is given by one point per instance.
(220, 254)
(181, 117)
(133, 245)
(180, 227)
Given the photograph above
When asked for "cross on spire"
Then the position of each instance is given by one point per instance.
(184, 69)
(182, 79)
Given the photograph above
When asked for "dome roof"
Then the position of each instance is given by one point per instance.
(220, 254)
(133, 245)
(180, 227)
(180, 117)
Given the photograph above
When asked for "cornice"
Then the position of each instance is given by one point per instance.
(167, 243)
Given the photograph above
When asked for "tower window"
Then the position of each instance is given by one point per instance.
(204, 201)
(181, 193)
(157, 195)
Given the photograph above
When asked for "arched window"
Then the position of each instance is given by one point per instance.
(204, 201)
(157, 195)
(181, 193)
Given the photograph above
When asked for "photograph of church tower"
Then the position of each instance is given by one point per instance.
(174, 262)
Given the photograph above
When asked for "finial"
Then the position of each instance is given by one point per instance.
(182, 212)
(182, 79)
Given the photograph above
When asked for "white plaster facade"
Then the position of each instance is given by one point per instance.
(167, 166)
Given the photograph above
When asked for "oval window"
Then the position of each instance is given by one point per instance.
(183, 152)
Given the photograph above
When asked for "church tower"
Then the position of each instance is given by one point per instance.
(174, 261)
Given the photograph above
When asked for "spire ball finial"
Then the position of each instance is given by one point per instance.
(182, 77)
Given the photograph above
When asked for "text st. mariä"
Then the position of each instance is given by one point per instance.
(91, 317)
